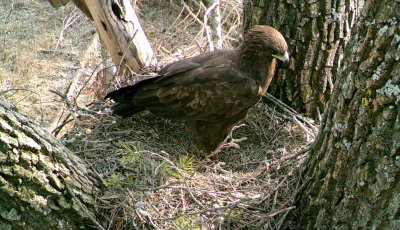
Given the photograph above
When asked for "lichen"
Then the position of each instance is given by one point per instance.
(338, 129)
(390, 90)
(347, 144)
(337, 16)
(382, 30)
(378, 72)
(3, 157)
(397, 38)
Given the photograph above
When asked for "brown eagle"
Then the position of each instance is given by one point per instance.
(212, 91)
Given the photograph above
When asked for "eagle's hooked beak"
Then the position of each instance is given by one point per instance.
(284, 58)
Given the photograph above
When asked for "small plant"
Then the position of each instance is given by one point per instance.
(135, 154)
(184, 165)
(185, 222)
(114, 180)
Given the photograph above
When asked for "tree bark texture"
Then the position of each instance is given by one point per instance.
(354, 168)
(317, 33)
(42, 184)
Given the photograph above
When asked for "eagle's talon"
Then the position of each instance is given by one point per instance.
(233, 143)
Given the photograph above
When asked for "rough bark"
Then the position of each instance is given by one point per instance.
(42, 184)
(354, 168)
(316, 32)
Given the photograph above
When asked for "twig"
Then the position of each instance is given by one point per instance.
(70, 107)
(192, 14)
(88, 214)
(280, 211)
(294, 115)
(208, 32)
(299, 153)
(68, 21)
(289, 110)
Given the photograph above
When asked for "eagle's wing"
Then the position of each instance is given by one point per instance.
(208, 93)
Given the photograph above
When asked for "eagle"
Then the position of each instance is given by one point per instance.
(212, 91)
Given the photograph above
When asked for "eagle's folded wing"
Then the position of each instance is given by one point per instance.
(208, 93)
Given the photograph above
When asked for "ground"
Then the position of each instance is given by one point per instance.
(155, 176)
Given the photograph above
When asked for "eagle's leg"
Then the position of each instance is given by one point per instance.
(228, 142)
(232, 142)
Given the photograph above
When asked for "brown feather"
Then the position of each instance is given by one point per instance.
(212, 91)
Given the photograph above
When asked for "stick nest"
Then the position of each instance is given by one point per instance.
(156, 178)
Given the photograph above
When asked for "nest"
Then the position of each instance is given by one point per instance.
(156, 178)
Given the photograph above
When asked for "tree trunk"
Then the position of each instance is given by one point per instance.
(42, 184)
(316, 32)
(122, 34)
(120, 31)
(354, 168)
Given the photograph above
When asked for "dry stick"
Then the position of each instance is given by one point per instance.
(289, 110)
(66, 120)
(89, 215)
(269, 216)
(58, 129)
(139, 212)
(56, 126)
(293, 198)
(213, 210)
(176, 19)
(195, 17)
(192, 14)
(68, 103)
(208, 32)
(280, 211)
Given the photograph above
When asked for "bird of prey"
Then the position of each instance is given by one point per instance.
(212, 91)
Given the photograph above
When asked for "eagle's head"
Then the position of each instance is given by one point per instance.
(265, 41)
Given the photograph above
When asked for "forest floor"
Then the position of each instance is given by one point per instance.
(156, 177)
